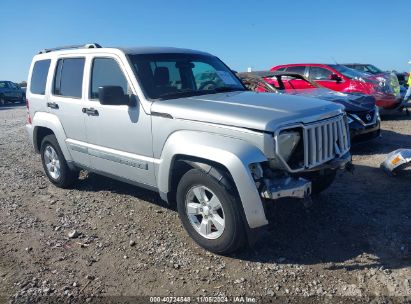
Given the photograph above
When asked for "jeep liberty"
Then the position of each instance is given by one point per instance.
(180, 122)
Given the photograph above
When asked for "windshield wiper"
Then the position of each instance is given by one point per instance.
(189, 92)
(227, 89)
(181, 93)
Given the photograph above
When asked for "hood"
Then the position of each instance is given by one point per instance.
(251, 110)
(353, 102)
(385, 83)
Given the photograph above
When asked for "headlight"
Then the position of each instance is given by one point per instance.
(349, 119)
(287, 141)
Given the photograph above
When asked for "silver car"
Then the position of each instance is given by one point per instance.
(179, 122)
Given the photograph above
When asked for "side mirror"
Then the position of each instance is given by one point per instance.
(335, 77)
(113, 95)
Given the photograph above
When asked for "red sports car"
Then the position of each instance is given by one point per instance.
(342, 79)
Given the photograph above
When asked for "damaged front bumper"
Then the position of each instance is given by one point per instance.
(396, 161)
(287, 187)
(298, 187)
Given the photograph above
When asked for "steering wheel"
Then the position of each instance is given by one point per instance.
(207, 85)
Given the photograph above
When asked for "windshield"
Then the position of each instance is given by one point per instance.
(12, 85)
(166, 76)
(347, 72)
(373, 69)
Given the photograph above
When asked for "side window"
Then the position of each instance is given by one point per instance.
(39, 77)
(280, 70)
(68, 79)
(105, 71)
(296, 69)
(317, 73)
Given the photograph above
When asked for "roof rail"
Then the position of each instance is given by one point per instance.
(68, 47)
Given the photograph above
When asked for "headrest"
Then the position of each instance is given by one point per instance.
(161, 76)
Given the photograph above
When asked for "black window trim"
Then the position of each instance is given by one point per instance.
(91, 75)
(55, 73)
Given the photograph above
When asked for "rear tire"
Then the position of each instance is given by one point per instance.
(210, 212)
(54, 163)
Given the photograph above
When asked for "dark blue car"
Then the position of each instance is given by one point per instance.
(10, 92)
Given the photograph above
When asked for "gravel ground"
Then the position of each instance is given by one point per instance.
(105, 238)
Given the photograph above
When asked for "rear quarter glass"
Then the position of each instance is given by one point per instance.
(39, 77)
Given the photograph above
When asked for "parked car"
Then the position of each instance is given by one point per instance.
(403, 81)
(365, 68)
(342, 79)
(221, 153)
(373, 70)
(10, 92)
(385, 79)
(402, 78)
(363, 115)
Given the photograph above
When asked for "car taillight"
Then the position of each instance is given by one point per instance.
(28, 111)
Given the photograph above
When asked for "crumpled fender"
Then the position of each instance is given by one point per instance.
(51, 121)
(397, 160)
(234, 154)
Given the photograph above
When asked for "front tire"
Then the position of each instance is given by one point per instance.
(210, 213)
(54, 163)
(2, 101)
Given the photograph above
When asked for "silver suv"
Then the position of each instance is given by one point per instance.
(181, 123)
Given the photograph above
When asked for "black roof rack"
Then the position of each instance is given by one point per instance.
(68, 47)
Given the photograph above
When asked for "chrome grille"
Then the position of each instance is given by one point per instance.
(325, 140)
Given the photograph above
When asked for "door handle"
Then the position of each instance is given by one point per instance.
(52, 105)
(90, 111)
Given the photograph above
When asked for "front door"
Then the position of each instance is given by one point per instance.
(323, 77)
(119, 136)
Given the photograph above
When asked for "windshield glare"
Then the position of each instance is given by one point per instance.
(373, 69)
(347, 72)
(165, 76)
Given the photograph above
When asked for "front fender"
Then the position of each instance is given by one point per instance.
(51, 121)
(234, 154)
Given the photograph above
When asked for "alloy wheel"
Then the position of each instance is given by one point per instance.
(205, 212)
(52, 162)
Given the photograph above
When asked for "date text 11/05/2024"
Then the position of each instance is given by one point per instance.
(204, 299)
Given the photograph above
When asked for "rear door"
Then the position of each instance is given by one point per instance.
(66, 102)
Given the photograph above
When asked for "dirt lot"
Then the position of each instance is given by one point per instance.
(355, 241)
